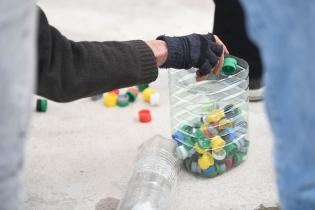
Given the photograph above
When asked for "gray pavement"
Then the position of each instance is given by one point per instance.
(80, 153)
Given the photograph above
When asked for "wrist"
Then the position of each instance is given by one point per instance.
(160, 51)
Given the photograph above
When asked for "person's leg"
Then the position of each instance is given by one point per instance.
(17, 68)
(285, 34)
(229, 25)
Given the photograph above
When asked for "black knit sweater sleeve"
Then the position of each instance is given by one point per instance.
(69, 70)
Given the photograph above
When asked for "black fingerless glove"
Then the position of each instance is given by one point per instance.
(195, 50)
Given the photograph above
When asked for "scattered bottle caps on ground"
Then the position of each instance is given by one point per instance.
(215, 143)
(116, 98)
(41, 105)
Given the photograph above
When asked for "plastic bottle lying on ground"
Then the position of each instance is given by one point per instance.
(154, 177)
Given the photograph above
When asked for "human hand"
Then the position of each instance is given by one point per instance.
(205, 52)
(159, 49)
(219, 65)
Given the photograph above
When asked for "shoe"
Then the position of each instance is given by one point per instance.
(256, 90)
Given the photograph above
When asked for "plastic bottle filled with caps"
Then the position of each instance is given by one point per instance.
(209, 118)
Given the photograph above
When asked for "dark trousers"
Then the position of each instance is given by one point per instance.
(229, 25)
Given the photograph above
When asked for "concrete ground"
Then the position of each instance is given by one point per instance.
(81, 153)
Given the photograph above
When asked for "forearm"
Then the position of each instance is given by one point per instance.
(70, 70)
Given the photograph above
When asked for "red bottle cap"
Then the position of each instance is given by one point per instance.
(135, 90)
(115, 91)
(145, 116)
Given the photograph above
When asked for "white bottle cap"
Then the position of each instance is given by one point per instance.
(219, 155)
(154, 99)
(181, 152)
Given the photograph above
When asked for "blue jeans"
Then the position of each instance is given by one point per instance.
(17, 69)
(285, 33)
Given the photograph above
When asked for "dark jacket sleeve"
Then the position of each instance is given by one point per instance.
(69, 70)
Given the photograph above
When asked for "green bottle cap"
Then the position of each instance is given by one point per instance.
(122, 103)
(220, 168)
(238, 158)
(229, 66)
(132, 96)
(198, 134)
(41, 105)
(189, 144)
(204, 143)
(142, 87)
(230, 149)
(188, 162)
(44, 105)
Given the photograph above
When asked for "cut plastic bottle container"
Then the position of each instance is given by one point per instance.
(154, 176)
(209, 119)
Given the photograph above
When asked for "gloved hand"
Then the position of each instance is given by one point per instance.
(200, 51)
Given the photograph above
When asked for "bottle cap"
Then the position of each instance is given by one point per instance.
(219, 155)
(198, 149)
(210, 172)
(133, 89)
(229, 66)
(225, 123)
(179, 137)
(230, 149)
(115, 91)
(181, 152)
(204, 143)
(195, 168)
(220, 168)
(217, 143)
(205, 161)
(110, 99)
(41, 105)
(146, 94)
(215, 115)
(132, 95)
(155, 99)
(145, 116)
(229, 162)
(142, 87)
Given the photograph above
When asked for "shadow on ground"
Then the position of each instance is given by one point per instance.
(107, 204)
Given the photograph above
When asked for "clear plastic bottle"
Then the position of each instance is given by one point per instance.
(154, 177)
(209, 118)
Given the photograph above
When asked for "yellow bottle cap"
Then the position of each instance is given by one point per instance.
(146, 94)
(110, 99)
(198, 149)
(205, 161)
(217, 143)
(215, 115)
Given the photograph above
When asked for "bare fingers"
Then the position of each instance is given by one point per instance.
(218, 41)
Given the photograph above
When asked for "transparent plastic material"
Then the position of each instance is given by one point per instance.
(154, 177)
(209, 119)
